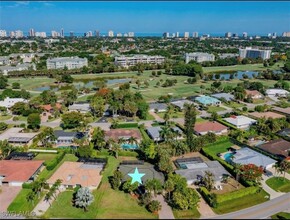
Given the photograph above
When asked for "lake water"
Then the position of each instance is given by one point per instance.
(79, 85)
(238, 74)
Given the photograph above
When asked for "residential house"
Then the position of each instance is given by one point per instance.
(9, 102)
(65, 138)
(240, 121)
(203, 128)
(50, 108)
(279, 148)
(277, 92)
(254, 94)
(159, 107)
(180, 103)
(207, 100)
(80, 107)
(226, 96)
(126, 134)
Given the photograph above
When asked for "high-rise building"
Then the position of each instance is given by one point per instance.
(250, 52)
(31, 33)
(71, 34)
(195, 34)
(166, 35)
(111, 33)
(228, 34)
(286, 34)
(18, 34)
(235, 35)
(97, 33)
(274, 35)
(119, 35)
(126, 61)
(62, 33)
(177, 34)
(173, 35)
(54, 34)
(206, 35)
(186, 34)
(40, 34)
(131, 34)
(245, 34)
(89, 34)
(3, 33)
(12, 34)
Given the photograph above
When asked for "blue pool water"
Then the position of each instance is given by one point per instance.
(130, 146)
(182, 166)
(228, 156)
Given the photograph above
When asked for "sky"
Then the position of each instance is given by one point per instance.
(147, 17)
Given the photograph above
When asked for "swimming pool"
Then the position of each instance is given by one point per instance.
(130, 146)
(228, 157)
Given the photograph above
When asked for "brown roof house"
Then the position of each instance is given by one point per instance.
(203, 128)
(75, 174)
(267, 115)
(116, 134)
(254, 94)
(278, 147)
(17, 172)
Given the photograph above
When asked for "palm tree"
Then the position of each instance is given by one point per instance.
(122, 140)
(237, 170)
(48, 197)
(84, 198)
(132, 140)
(30, 197)
(114, 147)
(165, 131)
(284, 166)
(154, 206)
(208, 180)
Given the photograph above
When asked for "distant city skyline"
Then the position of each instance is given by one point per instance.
(215, 18)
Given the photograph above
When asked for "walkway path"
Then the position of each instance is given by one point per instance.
(44, 205)
(204, 209)
(166, 211)
(273, 193)
(260, 211)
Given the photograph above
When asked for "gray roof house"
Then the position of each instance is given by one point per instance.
(161, 107)
(197, 171)
(154, 133)
(80, 107)
(180, 103)
(226, 96)
(66, 138)
(248, 156)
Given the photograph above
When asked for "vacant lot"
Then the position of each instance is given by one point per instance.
(45, 157)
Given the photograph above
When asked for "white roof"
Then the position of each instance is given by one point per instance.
(276, 91)
(240, 120)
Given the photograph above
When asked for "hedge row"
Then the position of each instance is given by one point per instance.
(127, 125)
(226, 123)
(128, 153)
(237, 194)
(207, 196)
(26, 185)
(55, 161)
(144, 134)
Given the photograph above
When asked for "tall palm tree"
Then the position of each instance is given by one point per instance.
(132, 140)
(30, 197)
(208, 180)
(165, 132)
(237, 170)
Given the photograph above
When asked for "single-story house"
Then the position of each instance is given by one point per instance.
(5, 60)
(17, 172)
(246, 155)
(254, 94)
(67, 138)
(80, 107)
(197, 171)
(75, 174)
(129, 166)
(207, 100)
(203, 128)
(180, 103)
(154, 133)
(284, 132)
(266, 115)
(160, 107)
(280, 148)
(9, 102)
(240, 121)
(16, 137)
(20, 156)
(284, 111)
(50, 108)
(227, 96)
(277, 92)
(126, 134)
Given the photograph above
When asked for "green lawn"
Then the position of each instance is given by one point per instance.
(186, 214)
(45, 157)
(5, 117)
(31, 82)
(46, 174)
(241, 203)
(235, 105)
(20, 203)
(174, 115)
(281, 215)
(248, 67)
(108, 203)
(218, 147)
(279, 184)
(200, 120)
(258, 101)
(215, 109)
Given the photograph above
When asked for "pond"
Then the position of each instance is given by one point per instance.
(78, 85)
(238, 74)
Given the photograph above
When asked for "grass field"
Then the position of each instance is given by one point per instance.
(279, 184)
(45, 157)
(46, 174)
(241, 203)
(173, 115)
(108, 203)
(20, 203)
(281, 215)
(235, 105)
(219, 147)
(212, 109)
(5, 117)
(186, 214)
(248, 67)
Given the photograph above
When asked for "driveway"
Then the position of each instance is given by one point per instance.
(104, 126)
(7, 195)
(52, 124)
(273, 193)
(166, 211)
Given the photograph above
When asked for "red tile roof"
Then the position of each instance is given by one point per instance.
(209, 126)
(115, 134)
(49, 107)
(19, 170)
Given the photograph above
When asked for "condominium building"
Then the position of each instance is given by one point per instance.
(177, 34)
(3, 33)
(228, 34)
(18, 34)
(62, 33)
(111, 33)
(245, 34)
(199, 57)
(286, 34)
(166, 34)
(186, 34)
(131, 34)
(31, 33)
(55, 34)
(97, 33)
(119, 35)
(89, 34)
(125, 61)
(40, 34)
(69, 62)
(195, 34)
(249, 52)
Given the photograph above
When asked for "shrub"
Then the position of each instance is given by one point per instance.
(15, 118)
(53, 163)
(26, 186)
(127, 125)
(3, 126)
(128, 153)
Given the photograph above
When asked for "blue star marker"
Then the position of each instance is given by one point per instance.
(136, 176)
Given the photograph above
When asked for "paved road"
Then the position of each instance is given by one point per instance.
(10, 121)
(52, 124)
(261, 211)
